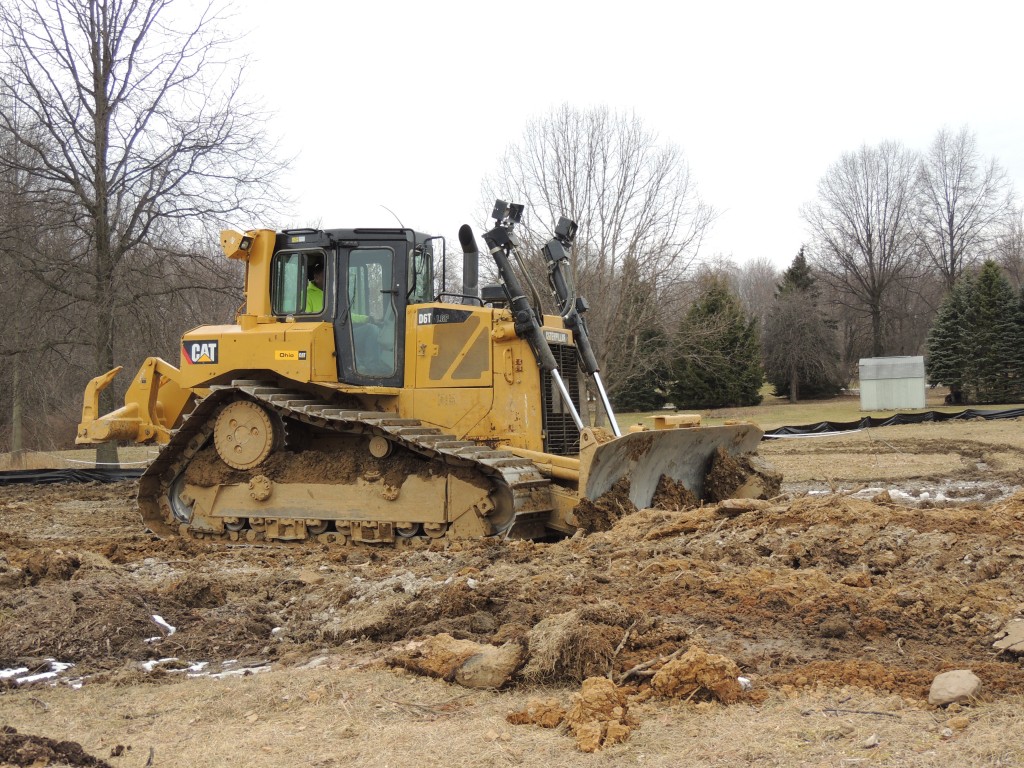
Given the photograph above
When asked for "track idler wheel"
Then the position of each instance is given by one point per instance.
(245, 434)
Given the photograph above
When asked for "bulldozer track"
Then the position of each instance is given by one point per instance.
(516, 478)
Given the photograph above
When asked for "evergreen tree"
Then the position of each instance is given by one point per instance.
(1017, 383)
(801, 358)
(718, 357)
(798, 276)
(991, 318)
(949, 360)
(647, 392)
(975, 345)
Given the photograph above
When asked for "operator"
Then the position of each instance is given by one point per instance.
(315, 290)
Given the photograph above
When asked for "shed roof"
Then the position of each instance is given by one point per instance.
(905, 367)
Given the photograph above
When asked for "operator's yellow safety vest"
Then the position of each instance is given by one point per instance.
(314, 299)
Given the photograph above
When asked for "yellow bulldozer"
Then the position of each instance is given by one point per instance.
(349, 403)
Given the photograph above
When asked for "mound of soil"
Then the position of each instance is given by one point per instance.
(801, 591)
(599, 715)
(25, 750)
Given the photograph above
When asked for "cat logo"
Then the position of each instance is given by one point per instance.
(200, 352)
(289, 354)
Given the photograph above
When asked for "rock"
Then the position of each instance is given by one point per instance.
(470, 664)
(491, 667)
(955, 686)
(871, 741)
(1011, 637)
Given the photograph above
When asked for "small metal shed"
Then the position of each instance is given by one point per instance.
(888, 383)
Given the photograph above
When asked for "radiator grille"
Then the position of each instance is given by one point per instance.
(560, 434)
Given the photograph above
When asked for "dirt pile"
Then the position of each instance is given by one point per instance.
(545, 712)
(740, 476)
(799, 592)
(599, 715)
(37, 751)
(698, 673)
(601, 513)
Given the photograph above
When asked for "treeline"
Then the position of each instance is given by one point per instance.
(126, 143)
(909, 253)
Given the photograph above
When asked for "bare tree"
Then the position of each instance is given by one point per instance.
(640, 219)
(1009, 250)
(864, 236)
(35, 331)
(800, 346)
(756, 286)
(146, 137)
(963, 202)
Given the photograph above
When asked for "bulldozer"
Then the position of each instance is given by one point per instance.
(350, 403)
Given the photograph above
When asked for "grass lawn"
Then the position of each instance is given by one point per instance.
(774, 412)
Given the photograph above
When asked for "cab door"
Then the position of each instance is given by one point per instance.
(369, 325)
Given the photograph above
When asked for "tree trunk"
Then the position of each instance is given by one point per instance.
(794, 385)
(102, 241)
(17, 425)
(877, 349)
(106, 453)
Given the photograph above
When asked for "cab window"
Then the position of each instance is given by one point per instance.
(294, 288)
(421, 271)
(371, 297)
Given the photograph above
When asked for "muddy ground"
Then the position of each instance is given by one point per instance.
(893, 554)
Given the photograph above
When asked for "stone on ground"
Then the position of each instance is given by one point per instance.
(958, 685)
(1011, 637)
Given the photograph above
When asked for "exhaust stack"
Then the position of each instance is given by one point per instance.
(470, 262)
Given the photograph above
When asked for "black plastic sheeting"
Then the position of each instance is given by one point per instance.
(50, 476)
(824, 427)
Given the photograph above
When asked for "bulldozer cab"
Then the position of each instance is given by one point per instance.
(368, 279)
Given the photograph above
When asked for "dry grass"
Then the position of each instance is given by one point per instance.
(335, 717)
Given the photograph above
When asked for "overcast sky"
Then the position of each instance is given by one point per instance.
(409, 104)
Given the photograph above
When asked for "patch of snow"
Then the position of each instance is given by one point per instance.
(159, 621)
(149, 666)
(243, 671)
(53, 670)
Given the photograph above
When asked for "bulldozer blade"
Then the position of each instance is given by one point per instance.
(682, 454)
